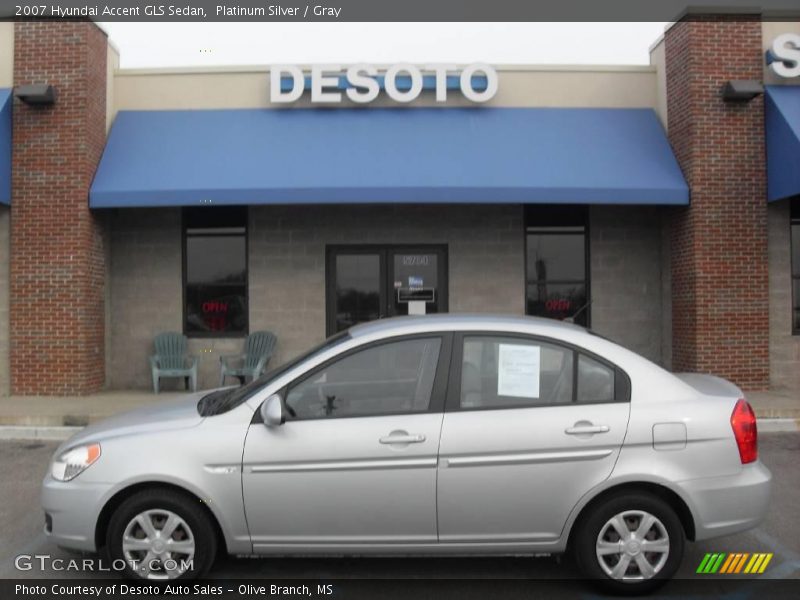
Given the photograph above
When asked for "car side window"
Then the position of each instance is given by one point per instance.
(395, 377)
(595, 381)
(504, 372)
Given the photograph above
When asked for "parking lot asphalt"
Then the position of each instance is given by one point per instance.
(23, 463)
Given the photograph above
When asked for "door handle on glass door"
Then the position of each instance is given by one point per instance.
(586, 429)
(405, 438)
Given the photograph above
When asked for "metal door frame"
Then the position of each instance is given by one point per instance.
(385, 252)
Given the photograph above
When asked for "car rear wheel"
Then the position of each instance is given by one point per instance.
(631, 543)
(161, 535)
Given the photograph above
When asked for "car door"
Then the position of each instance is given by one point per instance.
(530, 426)
(354, 465)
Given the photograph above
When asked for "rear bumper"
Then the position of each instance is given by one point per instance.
(726, 505)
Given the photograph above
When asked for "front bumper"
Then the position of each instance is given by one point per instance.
(73, 508)
(726, 505)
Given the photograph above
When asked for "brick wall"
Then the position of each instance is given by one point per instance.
(626, 277)
(719, 244)
(57, 307)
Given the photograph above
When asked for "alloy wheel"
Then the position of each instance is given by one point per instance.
(632, 546)
(158, 544)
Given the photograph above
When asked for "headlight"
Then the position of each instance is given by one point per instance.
(74, 461)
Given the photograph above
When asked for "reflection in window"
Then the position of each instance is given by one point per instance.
(215, 271)
(595, 381)
(358, 298)
(557, 272)
(796, 265)
(395, 377)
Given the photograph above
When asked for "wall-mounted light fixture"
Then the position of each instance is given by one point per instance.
(742, 90)
(39, 94)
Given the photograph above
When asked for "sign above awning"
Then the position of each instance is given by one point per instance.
(6, 100)
(388, 155)
(783, 141)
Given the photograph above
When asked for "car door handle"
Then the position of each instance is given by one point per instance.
(586, 429)
(403, 439)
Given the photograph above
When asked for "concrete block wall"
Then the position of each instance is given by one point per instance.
(287, 259)
(145, 294)
(287, 273)
(627, 285)
(784, 348)
(5, 214)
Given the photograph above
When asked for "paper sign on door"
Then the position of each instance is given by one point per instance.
(518, 371)
(416, 307)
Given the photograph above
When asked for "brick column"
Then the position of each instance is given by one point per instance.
(719, 244)
(57, 260)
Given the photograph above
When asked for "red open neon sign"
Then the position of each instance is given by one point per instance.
(214, 314)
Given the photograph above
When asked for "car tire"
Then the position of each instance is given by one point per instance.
(154, 527)
(602, 554)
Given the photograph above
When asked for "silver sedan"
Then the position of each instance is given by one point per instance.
(443, 434)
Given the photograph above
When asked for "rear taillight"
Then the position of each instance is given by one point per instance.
(743, 421)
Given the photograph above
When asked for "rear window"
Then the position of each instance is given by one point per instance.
(500, 371)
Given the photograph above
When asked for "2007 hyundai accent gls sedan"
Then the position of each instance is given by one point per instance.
(442, 434)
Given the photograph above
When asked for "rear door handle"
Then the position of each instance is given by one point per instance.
(403, 439)
(586, 429)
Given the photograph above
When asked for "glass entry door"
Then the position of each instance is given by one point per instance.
(365, 283)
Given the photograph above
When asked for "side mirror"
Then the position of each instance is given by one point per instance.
(272, 411)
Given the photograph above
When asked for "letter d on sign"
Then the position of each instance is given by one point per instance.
(276, 94)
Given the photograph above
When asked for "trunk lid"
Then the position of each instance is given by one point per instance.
(711, 385)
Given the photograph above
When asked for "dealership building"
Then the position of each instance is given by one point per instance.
(658, 205)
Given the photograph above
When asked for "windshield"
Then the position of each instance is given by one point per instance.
(222, 401)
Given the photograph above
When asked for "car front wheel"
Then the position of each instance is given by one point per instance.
(631, 543)
(161, 535)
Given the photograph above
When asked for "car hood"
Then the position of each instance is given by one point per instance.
(172, 414)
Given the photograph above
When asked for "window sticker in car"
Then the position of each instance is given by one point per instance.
(518, 370)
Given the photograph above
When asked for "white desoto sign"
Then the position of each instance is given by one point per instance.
(785, 51)
(363, 82)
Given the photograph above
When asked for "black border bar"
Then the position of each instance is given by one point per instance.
(393, 10)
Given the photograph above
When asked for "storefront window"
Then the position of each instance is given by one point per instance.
(795, 233)
(215, 271)
(557, 279)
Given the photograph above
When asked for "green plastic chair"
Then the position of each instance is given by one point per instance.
(171, 360)
(258, 349)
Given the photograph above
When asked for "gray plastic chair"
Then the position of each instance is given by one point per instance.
(258, 349)
(171, 360)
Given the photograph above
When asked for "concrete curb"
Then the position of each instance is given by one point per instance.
(52, 433)
(778, 425)
(44, 433)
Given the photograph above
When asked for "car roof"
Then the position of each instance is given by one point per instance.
(460, 321)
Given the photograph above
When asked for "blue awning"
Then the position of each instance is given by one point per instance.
(783, 141)
(377, 155)
(5, 145)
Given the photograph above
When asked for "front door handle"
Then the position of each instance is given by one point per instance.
(586, 429)
(404, 438)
